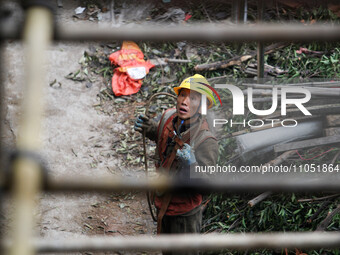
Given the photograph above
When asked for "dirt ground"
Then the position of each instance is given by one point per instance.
(78, 140)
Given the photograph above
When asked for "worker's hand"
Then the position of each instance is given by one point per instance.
(186, 154)
(142, 123)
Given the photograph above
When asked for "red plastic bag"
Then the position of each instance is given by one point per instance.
(127, 78)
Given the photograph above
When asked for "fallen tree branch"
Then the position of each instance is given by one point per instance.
(318, 198)
(265, 91)
(238, 60)
(268, 69)
(331, 131)
(274, 162)
(235, 224)
(259, 198)
(328, 140)
(219, 78)
(316, 214)
(324, 224)
(330, 84)
(174, 60)
(314, 110)
(280, 158)
(333, 120)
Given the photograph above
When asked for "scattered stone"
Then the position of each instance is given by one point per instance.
(173, 14)
(221, 15)
(156, 52)
(181, 45)
(192, 53)
(167, 79)
(158, 62)
(92, 49)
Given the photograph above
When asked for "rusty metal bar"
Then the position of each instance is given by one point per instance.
(265, 32)
(261, 183)
(245, 13)
(202, 32)
(237, 11)
(260, 45)
(237, 241)
(27, 174)
(234, 11)
(2, 96)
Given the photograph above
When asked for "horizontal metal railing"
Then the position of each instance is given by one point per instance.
(204, 32)
(197, 32)
(113, 184)
(237, 241)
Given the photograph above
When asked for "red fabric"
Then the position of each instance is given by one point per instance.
(129, 56)
(187, 16)
(161, 123)
(178, 204)
(123, 85)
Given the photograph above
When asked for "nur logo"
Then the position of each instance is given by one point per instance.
(238, 98)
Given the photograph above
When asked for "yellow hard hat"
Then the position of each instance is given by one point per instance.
(199, 84)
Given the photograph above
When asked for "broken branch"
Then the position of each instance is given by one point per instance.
(274, 162)
(328, 140)
(263, 90)
(318, 198)
(330, 84)
(259, 198)
(238, 60)
(324, 224)
(317, 213)
(174, 60)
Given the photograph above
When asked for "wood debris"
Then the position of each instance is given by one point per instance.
(329, 140)
(238, 60)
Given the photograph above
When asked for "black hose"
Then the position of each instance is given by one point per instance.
(144, 148)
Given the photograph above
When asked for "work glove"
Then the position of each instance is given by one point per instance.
(186, 155)
(142, 123)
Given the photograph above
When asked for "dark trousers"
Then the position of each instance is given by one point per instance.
(181, 224)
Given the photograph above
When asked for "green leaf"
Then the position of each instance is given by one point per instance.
(293, 198)
(244, 223)
(333, 60)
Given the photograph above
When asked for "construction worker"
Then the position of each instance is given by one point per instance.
(183, 140)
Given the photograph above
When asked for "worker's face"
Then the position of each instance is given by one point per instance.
(188, 102)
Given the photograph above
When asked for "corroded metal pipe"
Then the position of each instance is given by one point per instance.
(237, 241)
(203, 32)
(27, 174)
(289, 182)
(196, 32)
(260, 45)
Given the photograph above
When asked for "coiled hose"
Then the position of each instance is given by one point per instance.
(144, 148)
